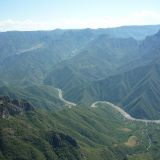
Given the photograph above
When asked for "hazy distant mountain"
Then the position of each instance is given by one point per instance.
(132, 81)
(72, 59)
(120, 65)
(136, 32)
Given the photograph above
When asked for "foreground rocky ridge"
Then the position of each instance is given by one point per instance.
(23, 138)
(12, 107)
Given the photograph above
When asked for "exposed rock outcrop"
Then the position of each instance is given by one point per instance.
(12, 107)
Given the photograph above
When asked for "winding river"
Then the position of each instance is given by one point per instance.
(119, 109)
(68, 103)
(125, 114)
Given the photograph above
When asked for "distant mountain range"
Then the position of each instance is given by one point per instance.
(120, 65)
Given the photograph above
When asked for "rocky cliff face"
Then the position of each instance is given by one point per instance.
(12, 107)
(65, 146)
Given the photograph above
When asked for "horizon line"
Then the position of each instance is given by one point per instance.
(85, 28)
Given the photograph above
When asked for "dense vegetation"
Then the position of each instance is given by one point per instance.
(77, 133)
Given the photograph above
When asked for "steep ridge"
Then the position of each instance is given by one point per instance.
(56, 46)
(102, 57)
(41, 96)
(71, 82)
(49, 48)
(136, 90)
(136, 87)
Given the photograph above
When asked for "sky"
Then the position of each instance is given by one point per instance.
(65, 14)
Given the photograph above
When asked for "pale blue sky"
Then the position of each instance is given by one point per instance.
(50, 14)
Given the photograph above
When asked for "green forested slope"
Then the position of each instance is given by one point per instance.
(41, 96)
(77, 133)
